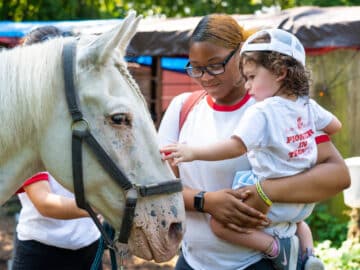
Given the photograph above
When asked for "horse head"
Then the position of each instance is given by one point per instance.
(118, 117)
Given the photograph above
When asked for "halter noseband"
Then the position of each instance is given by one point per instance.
(81, 132)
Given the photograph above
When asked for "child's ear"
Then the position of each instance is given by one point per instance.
(282, 74)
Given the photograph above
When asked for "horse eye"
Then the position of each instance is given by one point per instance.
(121, 119)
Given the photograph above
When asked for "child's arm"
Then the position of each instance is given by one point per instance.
(333, 127)
(52, 205)
(227, 149)
(321, 115)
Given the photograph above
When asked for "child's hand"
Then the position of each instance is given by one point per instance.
(251, 197)
(178, 152)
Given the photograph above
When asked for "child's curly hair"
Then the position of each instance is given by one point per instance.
(297, 80)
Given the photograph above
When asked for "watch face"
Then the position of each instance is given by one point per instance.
(199, 201)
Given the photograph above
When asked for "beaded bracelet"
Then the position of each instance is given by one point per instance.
(262, 194)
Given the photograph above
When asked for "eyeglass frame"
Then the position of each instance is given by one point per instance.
(188, 66)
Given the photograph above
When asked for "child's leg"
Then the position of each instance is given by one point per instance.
(283, 253)
(309, 261)
(253, 239)
(305, 236)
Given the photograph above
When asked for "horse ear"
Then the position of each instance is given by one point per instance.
(119, 37)
(130, 31)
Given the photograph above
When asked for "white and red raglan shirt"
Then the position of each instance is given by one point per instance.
(70, 234)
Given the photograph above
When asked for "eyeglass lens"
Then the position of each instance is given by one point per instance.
(214, 69)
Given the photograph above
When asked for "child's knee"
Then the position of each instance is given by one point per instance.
(216, 227)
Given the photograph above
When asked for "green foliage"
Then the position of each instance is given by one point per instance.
(325, 226)
(183, 8)
(329, 3)
(331, 244)
(347, 257)
(23, 10)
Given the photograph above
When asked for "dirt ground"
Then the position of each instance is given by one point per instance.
(6, 246)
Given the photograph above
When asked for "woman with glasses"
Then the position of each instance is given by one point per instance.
(214, 64)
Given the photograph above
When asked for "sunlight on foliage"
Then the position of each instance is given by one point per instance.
(22, 10)
(346, 257)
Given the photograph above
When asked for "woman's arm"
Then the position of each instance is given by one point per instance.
(52, 205)
(329, 177)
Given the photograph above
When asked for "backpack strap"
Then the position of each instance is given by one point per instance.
(189, 104)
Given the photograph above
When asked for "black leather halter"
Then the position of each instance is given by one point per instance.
(81, 132)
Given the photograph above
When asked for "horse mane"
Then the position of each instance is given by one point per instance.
(125, 72)
(27, 75)
(121, 66)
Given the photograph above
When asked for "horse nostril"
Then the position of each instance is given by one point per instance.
(176, 231)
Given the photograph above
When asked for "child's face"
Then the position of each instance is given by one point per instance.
(260, 82)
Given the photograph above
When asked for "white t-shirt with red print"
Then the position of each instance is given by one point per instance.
(279, 135)
(70, 234)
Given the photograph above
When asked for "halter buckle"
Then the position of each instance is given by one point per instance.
(80, 127)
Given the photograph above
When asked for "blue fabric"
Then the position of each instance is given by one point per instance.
(20, 29)
(181, 263)
(244, 178)
(169, 63)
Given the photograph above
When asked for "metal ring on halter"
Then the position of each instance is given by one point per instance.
(80, 127)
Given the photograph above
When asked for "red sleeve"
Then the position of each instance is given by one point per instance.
(41, 176)
(322, 138)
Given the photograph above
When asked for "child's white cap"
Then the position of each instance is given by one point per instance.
(280, 41)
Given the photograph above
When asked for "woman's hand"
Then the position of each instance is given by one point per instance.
(228, 207)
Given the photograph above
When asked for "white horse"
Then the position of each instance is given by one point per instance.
(36, 133)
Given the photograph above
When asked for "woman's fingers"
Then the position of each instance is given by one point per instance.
(248, 217)
(243, 215)
(225, 206)
(243, 207)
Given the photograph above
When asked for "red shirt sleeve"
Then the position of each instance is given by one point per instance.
(322, 138)
(41, 176)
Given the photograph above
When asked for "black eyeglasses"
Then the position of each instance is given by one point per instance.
(214, 69)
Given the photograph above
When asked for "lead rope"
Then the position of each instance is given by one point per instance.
(123, 251)
(101, 248)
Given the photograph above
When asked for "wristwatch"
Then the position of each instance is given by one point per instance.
(199, 201)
